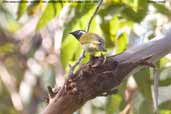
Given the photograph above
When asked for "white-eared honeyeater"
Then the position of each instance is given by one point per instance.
(90, 42)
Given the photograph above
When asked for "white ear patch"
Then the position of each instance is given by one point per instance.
(82, 32)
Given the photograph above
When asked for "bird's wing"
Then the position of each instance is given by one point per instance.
(91, 38)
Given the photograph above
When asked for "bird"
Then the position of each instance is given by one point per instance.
(90, 42)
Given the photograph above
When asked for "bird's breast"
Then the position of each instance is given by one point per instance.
(89, 47)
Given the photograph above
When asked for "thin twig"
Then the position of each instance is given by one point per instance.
(155, 88)
(155, 99)
(77, 63)
(156, 78)
(92, 17)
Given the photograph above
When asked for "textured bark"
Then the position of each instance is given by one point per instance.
(97, 78)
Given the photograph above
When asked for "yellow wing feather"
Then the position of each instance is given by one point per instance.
(92, 42)
(89, 38)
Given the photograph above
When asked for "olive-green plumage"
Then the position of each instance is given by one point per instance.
(90, 42)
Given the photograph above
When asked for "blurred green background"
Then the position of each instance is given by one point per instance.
(36, 48)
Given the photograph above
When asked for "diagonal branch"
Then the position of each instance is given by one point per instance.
(10, 84)
(89, 81)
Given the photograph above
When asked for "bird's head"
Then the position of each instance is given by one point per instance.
(78, 33)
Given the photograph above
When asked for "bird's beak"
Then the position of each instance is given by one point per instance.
(74, 34)
(71, 33)
(77, 34)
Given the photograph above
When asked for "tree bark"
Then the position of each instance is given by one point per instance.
(98, 78)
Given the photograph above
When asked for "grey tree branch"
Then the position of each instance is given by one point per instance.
(89, 82)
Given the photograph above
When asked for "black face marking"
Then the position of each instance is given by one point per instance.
(77, 34)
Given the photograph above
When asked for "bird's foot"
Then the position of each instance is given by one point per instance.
(92, 59)
(104, 58)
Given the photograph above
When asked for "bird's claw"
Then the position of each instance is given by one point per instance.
(104, 58)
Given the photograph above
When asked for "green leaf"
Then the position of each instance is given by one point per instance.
(163, 61)
(165, 111)
(49, 13)
(127, 10)
(105, 27)
(22, 7)
(135, 10)
(165, 77)
(146, 107)
(69, 47)
(80, 11)
(7, 48)
(121, 42)
(143, 80)
(71, 51)
(57, 7)
(142, 7)
(112, 9)
(34, 7)
(113, 104)
(162, 9)
(141, 105)
(166, 106)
